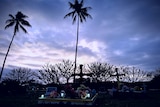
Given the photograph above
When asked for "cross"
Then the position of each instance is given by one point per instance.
(117, 77)
(81, 74)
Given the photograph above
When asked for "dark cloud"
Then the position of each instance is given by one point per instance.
(2, 54)
(124, 20)
(128, 29)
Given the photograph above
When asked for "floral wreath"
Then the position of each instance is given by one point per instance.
(83, 95)
(53, 94)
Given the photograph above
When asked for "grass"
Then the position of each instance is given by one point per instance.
(17, 101)
(152, 99)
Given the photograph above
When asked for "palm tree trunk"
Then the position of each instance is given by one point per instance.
(76, 50)
(6, 56)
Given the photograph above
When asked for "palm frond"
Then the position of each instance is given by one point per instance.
(20, 15)
(9, 21)
(82, 17)
(23, 28)
(69, 14)
(82, 2)
(19, 20)
(73, 14)
(10, 24)
(88, 8)
(24, 16)
(87, 15)
(11, 16)
(70, 5)
(78, 10)
(24, 22)
(74, 19)
(76, 2)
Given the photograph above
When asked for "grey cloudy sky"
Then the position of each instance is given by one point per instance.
(122, 32)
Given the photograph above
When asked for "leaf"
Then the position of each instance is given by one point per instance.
(10, 24)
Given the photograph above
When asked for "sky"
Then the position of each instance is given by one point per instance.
(121, 32)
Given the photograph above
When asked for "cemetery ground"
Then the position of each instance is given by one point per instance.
(150, 99)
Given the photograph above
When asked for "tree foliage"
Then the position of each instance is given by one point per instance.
(155, 76)
(21, 75)
(79, 13)
(100, 71)
(19, 21)
(55, 73)
(133, 74)
(49, 74)
(65, 69)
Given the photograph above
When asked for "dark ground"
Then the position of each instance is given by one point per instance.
(150, 99)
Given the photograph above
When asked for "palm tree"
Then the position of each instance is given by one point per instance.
(79, 13)
(18, 21)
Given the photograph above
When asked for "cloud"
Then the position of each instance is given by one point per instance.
(122, 32)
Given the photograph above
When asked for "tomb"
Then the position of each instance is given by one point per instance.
(81, 96)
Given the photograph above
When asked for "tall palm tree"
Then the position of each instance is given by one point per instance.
(18, 21)
(79, 13)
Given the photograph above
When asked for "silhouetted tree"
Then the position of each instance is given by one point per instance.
(49, 74)
(22, 75)
(66, 69)
(57, 72)
(79, 13)
(18, 21)
(100, 71)
(133, 74)
(154, 83)
(11, 87)
(157, 72)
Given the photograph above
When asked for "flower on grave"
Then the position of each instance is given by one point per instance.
(53, 94)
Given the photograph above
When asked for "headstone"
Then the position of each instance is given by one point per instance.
(81, 74)
(118, 75)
